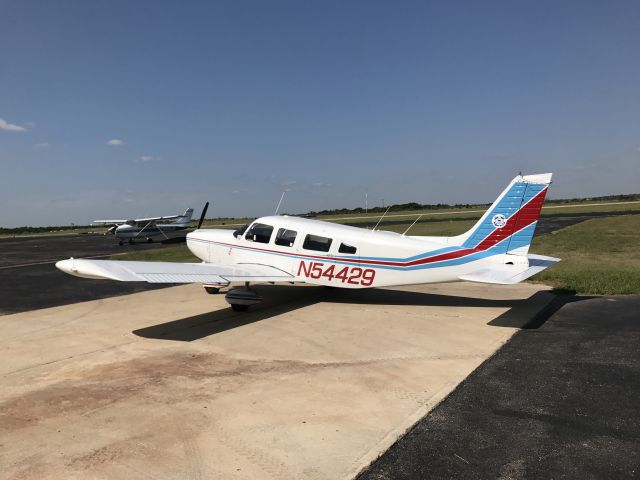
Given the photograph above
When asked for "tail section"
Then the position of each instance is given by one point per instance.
(185, 218)
(509, 224)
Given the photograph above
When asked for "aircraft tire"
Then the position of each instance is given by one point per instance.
(211, 290)
(149, 240)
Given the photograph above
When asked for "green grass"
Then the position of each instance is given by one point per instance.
(599, 256)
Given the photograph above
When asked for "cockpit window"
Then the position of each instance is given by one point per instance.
(344, 248)
(259, 232)
(285, 238)
(239, 232)
(315, 242)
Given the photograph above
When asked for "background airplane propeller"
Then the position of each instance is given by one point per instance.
(204, 212)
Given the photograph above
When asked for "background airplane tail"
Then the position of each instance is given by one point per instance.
(185, 218)
(509, 224)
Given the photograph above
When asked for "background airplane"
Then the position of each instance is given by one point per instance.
(292, 249)
(147, 228)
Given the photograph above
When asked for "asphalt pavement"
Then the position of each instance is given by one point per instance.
(560, 401)
(29, 279)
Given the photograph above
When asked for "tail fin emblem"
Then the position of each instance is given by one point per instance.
(499, 220)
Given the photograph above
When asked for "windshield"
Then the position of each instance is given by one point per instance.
(239, 232)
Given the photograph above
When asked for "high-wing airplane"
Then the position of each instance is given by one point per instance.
(146, 227)
(292, 249)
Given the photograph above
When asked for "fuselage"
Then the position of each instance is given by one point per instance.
(134, 231)
(338, 255)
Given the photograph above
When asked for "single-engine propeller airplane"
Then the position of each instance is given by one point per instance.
(285, 249)
(146, 227)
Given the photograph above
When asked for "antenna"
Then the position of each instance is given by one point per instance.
(385, 212)
(280, 202)
(414, 222)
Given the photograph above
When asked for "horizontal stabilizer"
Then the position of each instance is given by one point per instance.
(169, 272)
(510, 274)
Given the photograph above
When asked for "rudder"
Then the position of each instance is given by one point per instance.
(509, 224)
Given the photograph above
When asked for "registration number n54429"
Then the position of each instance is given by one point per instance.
(337, 273)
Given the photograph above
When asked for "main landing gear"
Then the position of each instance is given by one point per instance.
(241, 299)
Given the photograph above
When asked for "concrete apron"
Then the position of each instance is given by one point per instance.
(171, 384)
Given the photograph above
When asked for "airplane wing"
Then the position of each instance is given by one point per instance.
(109, 222)
(156, 219)
(510, 274)
(137, 220)
(170, 272)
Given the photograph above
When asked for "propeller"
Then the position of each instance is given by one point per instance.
(204, 212)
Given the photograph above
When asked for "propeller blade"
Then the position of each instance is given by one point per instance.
(204, 212)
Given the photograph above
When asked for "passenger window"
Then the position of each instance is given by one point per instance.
(315, 242)
(285, 238)
(259, 232)
(344, 248)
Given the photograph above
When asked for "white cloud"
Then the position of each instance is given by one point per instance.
(147, 158)
(30, 124)
(41, 145)
(10, 127)
(115, 142)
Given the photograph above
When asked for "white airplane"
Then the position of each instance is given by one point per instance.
(146, 227)
(279, 249)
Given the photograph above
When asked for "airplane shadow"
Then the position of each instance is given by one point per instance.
(280, 299)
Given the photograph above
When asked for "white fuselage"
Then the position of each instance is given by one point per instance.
(354, 257)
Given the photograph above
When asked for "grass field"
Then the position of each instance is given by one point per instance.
(599, 256)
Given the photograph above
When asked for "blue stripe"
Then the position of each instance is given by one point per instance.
(523, 237)
(509, 204)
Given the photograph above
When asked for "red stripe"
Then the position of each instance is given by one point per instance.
(525, 216)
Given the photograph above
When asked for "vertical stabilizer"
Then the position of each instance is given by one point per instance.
(185, 219)
(509, 224)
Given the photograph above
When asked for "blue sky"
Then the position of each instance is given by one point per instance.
(234, 102)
